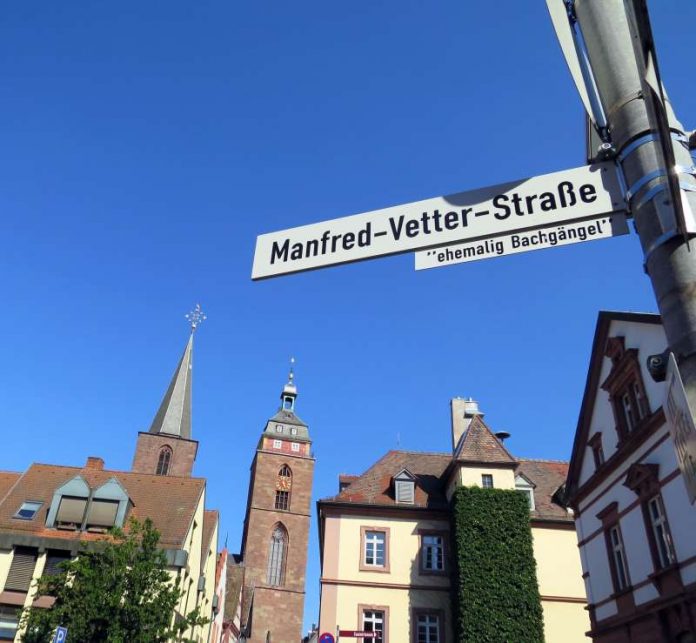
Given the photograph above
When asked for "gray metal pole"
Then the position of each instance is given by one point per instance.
(671, 266)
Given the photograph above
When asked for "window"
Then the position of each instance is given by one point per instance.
(432, 552)
(293, 431)
(524, 486)
(375, 548)
(660, 532)
(279, 428)
(71, 511)
(285, 472)
(628, 411)
(21, 569)
(642, 406)
(404, 491)
(277, 444)
(618, 559)
(102, 514)
(54, 558)
(295, 446)
(28, 510)
(487, 480)
(9, 621)
(373, 621)
(163, 462)
(427, 628)
(282, 500)
(277, 552)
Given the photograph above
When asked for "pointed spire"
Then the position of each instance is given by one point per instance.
(174, 414)
(289, 394)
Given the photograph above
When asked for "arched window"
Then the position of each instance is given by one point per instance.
(277, 553)
(283, 488)
(165, 458)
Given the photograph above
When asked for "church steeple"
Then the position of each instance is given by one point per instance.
(167, 448)
(289, 394)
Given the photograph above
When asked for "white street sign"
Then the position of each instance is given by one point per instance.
(580, 193)
(681, 426)
(507, 244)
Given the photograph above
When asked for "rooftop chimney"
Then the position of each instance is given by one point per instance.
(94, 463)
(463, 412)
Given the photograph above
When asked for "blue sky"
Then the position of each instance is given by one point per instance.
(145, 145)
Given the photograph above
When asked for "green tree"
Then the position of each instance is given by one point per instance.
(117, 592)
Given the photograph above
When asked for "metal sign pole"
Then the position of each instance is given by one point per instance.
(624, 79)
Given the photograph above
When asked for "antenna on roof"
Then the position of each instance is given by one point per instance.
(398, 440)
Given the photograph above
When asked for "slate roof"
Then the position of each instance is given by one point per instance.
(168, 500)
(374, 487)
(478, 444)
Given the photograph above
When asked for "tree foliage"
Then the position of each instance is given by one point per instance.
(497, 596)
(118, 592)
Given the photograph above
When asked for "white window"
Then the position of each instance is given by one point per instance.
(375, 548)
(28, 510)
(660, 529)
(641, 402)
(525, 487)
(487, 480)
(629, 414)
(279, 428)
(373, 621)
(432, 552)
(295, 446)
(405, 491)
(293, 431)
(428, 628)
(277, 444)
(619, 558)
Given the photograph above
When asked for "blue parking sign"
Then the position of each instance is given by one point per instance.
(61, 635)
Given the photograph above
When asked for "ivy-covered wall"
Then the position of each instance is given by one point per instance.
(496, 595)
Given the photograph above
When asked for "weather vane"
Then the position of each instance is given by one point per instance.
(196, 317)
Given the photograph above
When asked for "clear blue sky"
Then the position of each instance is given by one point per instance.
(144, 145)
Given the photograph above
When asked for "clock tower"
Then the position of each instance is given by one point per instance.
(276, 527)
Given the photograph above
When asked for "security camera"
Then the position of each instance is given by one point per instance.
(657, 366)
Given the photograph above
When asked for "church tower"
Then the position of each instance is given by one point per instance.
(167, 448)
(276, 527)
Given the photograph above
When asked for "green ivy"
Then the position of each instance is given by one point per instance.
(496, 594)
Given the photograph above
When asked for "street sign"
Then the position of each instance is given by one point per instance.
(681, 426)
(537, 239)
(327, 637)
(579, 193)
(61, 635)
(358, 634)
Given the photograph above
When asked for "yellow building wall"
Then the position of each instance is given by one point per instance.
(5, 562)
(471, 477)
(560, 578)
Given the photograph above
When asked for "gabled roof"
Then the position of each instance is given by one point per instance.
(478, 444)
(430, 469)
(174, 414)
(374, 486)
(604, 320)
(170, 502)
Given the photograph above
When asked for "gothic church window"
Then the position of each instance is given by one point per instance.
(165, 458)
(283, 488)
(277, 553)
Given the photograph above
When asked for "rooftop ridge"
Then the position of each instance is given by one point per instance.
(543, 460)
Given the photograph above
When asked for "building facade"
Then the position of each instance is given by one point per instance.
(635, 524)
(385, 548)
(49, 512)
(276, 528)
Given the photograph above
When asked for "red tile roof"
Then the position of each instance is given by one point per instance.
(7, 479)
(478, 444)
(169, 501)
(374, 487)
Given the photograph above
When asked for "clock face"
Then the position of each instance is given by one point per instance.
(283, 483)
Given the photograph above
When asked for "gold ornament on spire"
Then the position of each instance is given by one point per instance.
(196, 317)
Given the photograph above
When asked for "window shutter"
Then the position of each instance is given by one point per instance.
(404, 491)
(71, 510)
(21, 569)
(53, 559)
(102, 513)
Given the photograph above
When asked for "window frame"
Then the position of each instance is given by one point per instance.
(364, 566)
(6, 633)
(485, 477)
(443, 535)
(39, 504)
(285, 500)
(661, 559)
(384, 609)
(164, 461)
(439, 614)
(279, 569)
(614, 548)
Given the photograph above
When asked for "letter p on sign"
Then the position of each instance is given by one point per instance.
(61, 635)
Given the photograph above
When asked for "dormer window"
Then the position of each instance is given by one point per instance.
(71, 512)
(404, 487)
(101, 515)
(526, 487)
(28, 510)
